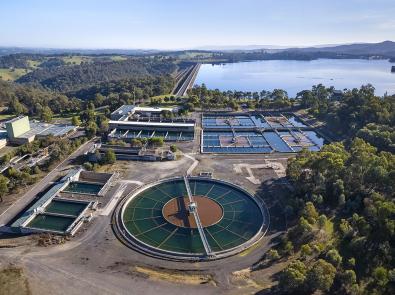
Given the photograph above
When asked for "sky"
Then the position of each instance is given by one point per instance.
(186, 24)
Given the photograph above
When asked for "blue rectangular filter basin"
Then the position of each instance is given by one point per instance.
(295, 121)
(318, 140)
(261, 133)
(276, 142)
(255, 143)
(241, 121)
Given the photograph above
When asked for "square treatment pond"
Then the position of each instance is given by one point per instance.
(84, 188)
(66, 207)
(51, 222)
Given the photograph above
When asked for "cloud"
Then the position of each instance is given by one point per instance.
(386, 25)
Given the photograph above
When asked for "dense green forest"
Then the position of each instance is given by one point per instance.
(343, 240)
(65, 84)
(128, 89)
(35, 101)
(75, 77)
(200, 96)
(22, 61)
(358, 112)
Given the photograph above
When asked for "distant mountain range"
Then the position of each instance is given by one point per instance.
(384, 49)
(31, 50)
(239, 47)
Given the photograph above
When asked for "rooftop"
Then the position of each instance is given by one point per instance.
(15, 119)
(124, 111)
(152, 109)
(45, 129)
(152, 124)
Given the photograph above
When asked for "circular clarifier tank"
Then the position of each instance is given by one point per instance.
(214, 220)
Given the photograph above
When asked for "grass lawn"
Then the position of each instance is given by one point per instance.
(76, 59)
(162, 96)
(33, 63)
(5, 116)
(195, 54)
(11, 75)
(65, 116)
(118, 58)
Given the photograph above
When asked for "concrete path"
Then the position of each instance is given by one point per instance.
(194, 164)
(114, 201)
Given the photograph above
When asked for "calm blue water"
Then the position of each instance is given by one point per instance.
(294, 76)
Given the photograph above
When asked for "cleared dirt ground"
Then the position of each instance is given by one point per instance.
(96, 262)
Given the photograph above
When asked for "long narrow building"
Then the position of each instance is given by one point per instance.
(130, 122)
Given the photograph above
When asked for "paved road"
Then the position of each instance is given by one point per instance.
(8, 214)
(188, 81)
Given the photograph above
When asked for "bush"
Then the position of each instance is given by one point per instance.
(322, 221)
(306, 250)
(109, 157)
(293, 276)
(321, 275)
(380, 274)
(36, 170)
(88, 166)
(136, 142)
(334, 257)
(272, 255)
(288, 248)
(173, 148)
(156, 141)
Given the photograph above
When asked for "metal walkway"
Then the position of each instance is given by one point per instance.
(193, 210)
(234, 138)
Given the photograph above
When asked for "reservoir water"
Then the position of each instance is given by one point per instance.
(294, 76)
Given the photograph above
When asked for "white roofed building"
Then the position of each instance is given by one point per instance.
(128, 122)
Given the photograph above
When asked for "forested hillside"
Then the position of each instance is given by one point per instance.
(72, 78)
(19, 60)
(26, 99)
(133, 88)
(359, 112)
(23, 99)
(342, 207)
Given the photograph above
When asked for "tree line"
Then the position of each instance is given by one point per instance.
(200, 96)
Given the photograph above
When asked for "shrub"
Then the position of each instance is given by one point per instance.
(88, 166)
(173, 148)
